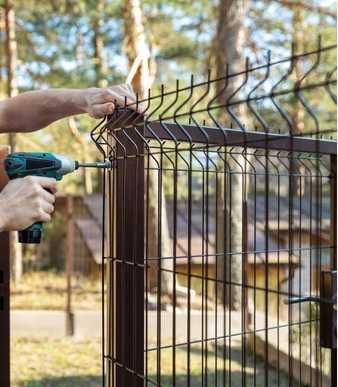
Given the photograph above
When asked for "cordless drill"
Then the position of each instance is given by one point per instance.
(45, 164)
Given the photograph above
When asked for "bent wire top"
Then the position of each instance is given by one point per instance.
(275, 101)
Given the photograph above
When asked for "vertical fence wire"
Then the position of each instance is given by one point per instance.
(218, 215)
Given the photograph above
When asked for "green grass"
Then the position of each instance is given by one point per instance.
(47, 290)
(56, 363)
(215, 371)
(71, 362)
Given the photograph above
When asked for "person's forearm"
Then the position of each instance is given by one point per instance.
(36, 109)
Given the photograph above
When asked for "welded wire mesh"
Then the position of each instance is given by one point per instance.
(219, 225)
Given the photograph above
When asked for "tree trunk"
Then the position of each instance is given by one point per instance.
(99, 66)
(86, 173)
(229, 43)
(100, 70)
(11, 60)
(2, 49)
(136, 47)
(298, 110)
(298, 38)
(137, 51)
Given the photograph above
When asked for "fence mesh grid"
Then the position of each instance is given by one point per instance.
(219, 222)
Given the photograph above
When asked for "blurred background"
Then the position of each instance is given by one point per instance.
(56, 286)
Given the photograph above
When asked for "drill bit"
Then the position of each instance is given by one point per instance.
(105, 164)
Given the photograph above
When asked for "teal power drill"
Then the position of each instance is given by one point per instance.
(45, 164)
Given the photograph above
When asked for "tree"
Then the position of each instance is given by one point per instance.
(135, 46)
(302, 5)
(2, 51)
(298, 114)
(137, 52)
(229, 44)
(11, 57)
(11, 62)
(98, 44)
(96, 21)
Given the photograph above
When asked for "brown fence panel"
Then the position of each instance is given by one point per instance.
(220, 240)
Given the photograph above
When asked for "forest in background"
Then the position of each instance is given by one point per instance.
(85, 43)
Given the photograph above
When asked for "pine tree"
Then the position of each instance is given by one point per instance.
(11, 63)
(229, 43)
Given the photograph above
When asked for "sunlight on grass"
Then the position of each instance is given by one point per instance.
(213, 367)
(56, 363)
(47, 290)
(73, 362)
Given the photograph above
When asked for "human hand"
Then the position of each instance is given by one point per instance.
(25, 201)
(100, 102)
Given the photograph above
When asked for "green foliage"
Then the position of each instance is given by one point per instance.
(55, 49)
(47, 290)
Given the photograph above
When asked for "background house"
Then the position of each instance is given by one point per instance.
(277, 267)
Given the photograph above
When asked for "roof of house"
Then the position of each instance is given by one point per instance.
(203, 228)
(306, 212)
(91, 236)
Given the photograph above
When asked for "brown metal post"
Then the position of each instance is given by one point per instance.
(69, 265)
(4, 311)
(334, 260)
(129, 273)
(4, 292)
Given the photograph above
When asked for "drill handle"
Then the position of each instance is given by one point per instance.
(33, 233)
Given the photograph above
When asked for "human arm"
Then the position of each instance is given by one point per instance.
(35, 110)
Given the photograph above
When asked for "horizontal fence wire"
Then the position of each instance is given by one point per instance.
(218, 218)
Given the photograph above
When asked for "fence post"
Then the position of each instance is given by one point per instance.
(4, 291)
(333, 209)
(129, 260)
(69, 265)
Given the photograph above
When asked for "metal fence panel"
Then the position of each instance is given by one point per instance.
(220, 239)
